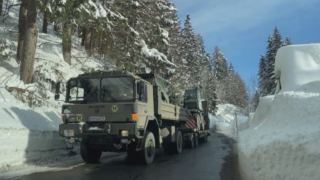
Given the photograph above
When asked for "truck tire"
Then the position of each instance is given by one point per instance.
(196, 139)
(190, 143)
(148, 152)
(204, 139)
(178, 145)
(88, 154)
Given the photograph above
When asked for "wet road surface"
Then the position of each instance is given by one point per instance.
(205, 162)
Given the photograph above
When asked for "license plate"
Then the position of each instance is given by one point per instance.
(68, 133)
(97, 118)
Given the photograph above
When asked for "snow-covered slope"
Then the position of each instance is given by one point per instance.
(281, 139)
(29, 139)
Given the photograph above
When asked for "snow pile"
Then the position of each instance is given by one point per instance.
(281, 140)
(298, 65)
(224, 120)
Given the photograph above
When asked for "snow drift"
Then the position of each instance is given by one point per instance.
(281, 139)
(297, 66)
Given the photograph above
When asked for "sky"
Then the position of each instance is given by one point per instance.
(240, 28)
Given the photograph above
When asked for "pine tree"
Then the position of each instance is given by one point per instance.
(230, 68)
(288, 41)
(191, 44)
(262, 76)
(274, 43)
(220, 67)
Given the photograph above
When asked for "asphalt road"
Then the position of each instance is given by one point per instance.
(209, 161)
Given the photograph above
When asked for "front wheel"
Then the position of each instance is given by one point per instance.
(149, 145)
(88, 154)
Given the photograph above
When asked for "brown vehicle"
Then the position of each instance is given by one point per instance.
(118, 111)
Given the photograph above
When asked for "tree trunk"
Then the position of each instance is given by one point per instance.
(87, 41)
(29, 44)
(22, 25)
(66, 43)
(83, 36)
(45, 18)
(1, 3)
(45, 22)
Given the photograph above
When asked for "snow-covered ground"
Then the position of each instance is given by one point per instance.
(29, 140)
(281, 139)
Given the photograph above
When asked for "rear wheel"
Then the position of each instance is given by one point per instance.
(196, 140)
(149, 145)
(177, 149)
(190, 143)
(89, 155)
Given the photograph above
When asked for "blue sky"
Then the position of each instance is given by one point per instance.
(240, 28)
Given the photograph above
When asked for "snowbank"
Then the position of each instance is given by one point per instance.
(298, 65)
(281, 140)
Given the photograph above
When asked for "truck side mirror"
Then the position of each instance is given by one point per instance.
(57, 91)
(140, 87)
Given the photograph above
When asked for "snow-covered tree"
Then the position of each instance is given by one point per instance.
(274, 43)
(233, 90)
(230, 68)
(192, 55)
(255, 100)
(220, 68)
(287, 41)
(262, 73)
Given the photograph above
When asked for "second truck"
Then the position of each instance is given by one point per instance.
(117, 111)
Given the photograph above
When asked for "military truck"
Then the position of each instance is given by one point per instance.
(118, 111)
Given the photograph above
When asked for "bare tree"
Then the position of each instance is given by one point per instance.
(22, 25)
(252, 89)
(252, 85)
(29, 44)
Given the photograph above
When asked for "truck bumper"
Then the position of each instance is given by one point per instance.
(100, 132)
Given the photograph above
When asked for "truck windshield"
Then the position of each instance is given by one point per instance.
(83, 90)
(117, 89)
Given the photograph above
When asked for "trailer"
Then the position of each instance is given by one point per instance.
(118, 111)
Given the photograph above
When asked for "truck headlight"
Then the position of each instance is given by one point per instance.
(124, 133)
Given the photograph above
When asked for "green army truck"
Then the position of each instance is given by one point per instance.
(117, 111)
